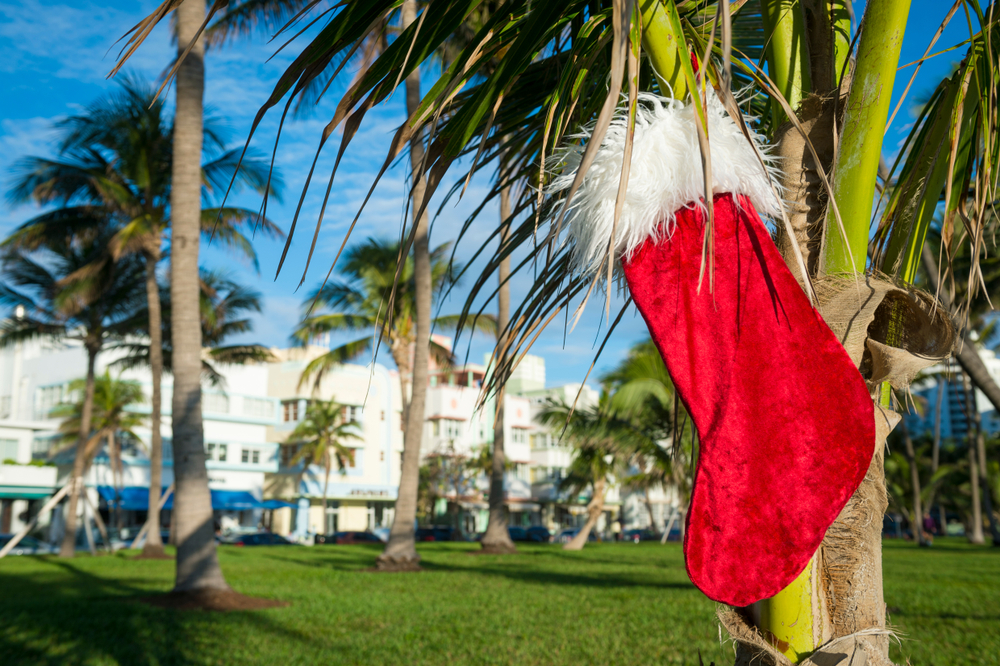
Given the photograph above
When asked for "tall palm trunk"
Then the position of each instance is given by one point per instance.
(154, 542)
(197, 561)
(68, 546)
(918, 510)
(401, 550)
(936, 455)
(594, 510)
(972, 416)
(497, 538)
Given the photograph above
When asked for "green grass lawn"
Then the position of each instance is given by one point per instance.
(610, 604)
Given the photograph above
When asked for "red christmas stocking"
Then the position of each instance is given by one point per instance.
(784, 418)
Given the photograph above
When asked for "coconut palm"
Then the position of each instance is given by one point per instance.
(43, 283)
(603, 444)
(112, 419)
(360, 301)
(319, 440)
(116, 157)
(643, 394)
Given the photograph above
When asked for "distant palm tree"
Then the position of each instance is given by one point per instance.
(359, 302)
(116, 158)
(111, 418)
(59, 304)
(602, 442)
(643, 394)
(225, 305)
(320, 438)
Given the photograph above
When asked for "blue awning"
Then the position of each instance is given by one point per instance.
(276, 504)
(135, 498)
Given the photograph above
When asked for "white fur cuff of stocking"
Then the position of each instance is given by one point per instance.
(666, 175)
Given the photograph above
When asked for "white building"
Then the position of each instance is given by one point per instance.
(361, 496)
(35, 377)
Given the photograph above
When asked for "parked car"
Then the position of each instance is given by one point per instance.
(438, 533)
(539, 534)
(26, 546)
(382, 533)
(347, 538)
(260, 539)
(517, 533)
(567, 535)
(638, 535)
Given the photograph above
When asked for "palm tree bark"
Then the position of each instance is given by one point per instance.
(197, 561)
(154, 542)
(594, 510)
(68, 546)
(497, 538)
(401, 552)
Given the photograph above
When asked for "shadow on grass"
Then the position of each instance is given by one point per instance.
(60, 614)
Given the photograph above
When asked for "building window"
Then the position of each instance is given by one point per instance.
(352, 461)
(259, 408)
(518, 435)
(215, 403)
(251, 456)
(48, 397)
(5, 407)
(288, 452)
(216, 452)
(351, 414)
(8, 450)
(290, 411)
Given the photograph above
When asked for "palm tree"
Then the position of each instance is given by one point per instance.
(111, 419)
(907, 491)
(602, 443)
(59, 305)
(558, 61)
(359, 302)
(225, 305)
(117, 157)
(643, 394)
(320, 437)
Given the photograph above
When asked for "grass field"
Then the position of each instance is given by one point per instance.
(610, 604)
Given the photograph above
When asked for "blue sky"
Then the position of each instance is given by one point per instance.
(54, 58)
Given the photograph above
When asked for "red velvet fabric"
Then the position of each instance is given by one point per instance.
(785, 420)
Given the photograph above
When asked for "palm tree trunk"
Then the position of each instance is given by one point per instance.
(984, 482)
(497, 538)
(972, 415)
(68, 546)
(326, 487)
(401, 550)
(936, 455)
(197, 562)
(594, 510)
(649, 508)
(918, 511)
(154, 542)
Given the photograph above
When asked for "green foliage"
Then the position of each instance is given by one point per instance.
(112, 418)
(358, 302)
(321, 435)
(114, 165)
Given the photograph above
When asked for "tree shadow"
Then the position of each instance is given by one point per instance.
(62, 614)
(549, 576)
